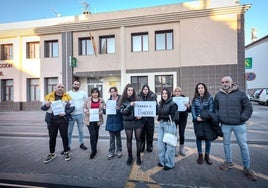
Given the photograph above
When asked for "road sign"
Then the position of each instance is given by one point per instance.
(248, 63)
(250, 76)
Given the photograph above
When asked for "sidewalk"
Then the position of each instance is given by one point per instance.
(22, 157)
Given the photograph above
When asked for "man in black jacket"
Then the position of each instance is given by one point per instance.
(233, 109)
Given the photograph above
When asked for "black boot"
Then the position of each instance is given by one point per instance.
(129, 160)
(138, 162)
(207, 159)
(200, 158)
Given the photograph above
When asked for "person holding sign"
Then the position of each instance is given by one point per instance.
(58, 111)
(93, 109)
(148, 122)
(183, 109)
(166, 108)
(131, 123)
(114, 124)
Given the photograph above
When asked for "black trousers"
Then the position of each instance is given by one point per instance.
(93, 130)
(58, 124)
(182, 125)
(147, 135)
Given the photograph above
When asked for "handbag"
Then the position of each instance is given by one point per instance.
(170, 138)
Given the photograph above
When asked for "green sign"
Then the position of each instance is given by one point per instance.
(248, 63)
(73, 61)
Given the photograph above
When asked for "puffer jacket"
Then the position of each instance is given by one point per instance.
(166, 109)
(127, 110)
(233, 107)
(198, 105)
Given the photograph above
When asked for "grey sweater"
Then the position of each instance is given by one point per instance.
(233, 107)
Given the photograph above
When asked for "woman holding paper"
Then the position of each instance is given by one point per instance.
(93, 108)
(131, 122)
(114, 124)
(183, 110)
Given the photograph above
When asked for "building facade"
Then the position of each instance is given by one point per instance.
(164, 46)
(256, 64)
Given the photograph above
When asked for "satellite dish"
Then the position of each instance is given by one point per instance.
(56, 13)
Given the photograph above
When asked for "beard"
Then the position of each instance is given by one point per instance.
(76, 88)
(226, 87)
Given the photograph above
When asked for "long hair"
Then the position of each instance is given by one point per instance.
(162, 101)
(125, 96)
(196, 94)
(95, 90)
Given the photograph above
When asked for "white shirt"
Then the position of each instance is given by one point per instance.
(77, 100)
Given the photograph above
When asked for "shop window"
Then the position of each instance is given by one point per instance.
(164, 40)
(33, 91)
(32, 50)
(139, 42)
(6, 51)
(163, 81)
(107, 44)
(138, 82)
(7, 90)
(52, 48)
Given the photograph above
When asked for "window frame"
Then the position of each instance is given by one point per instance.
(158, 88)
(50, 50)
(7, 90)
(33, 89)
(138, 85)
(7, 51)
(142, 41)
(33, 50)
(166, 41)
(85, 46)
(106, 50)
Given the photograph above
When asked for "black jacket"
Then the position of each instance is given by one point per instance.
(166, 109)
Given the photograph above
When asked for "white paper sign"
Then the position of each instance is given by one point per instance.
(94, 115)
(145, 108)
(181, 102)
(111, 107)
(57, 107)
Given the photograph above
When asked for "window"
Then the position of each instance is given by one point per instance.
(139, 42)
(163, 81)
(85, 46)
(33, 89)
(51, 48)
(7, 90)
(164, 40)
(32, 50)
(138, 82)
(6, 51)
(107, 44)
(50, 83)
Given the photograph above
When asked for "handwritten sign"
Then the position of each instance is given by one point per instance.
(57, 107)
(145, 108)
(111, 107)
(181, 102)
(94, 115)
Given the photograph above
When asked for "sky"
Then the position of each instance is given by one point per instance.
(25, 10)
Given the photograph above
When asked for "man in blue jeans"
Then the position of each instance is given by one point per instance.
(78, 99)
(233, 109)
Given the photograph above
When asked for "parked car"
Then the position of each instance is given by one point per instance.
(256, 95)
(263, 97)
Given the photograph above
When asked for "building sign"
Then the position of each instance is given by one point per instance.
(73, 61)
(250, 76)
(6, 65)
(248, 63)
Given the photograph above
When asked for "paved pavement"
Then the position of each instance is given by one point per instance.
(24, 146)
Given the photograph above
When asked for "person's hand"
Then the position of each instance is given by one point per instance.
(48, 104)
(138, 117)
(199, 118)
(132, 103)
(62, 114)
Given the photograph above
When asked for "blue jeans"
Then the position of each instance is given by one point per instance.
(240, 132)
(166, 152)
(80, 125)
(199, 146)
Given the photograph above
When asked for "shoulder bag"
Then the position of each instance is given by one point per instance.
(170, 138)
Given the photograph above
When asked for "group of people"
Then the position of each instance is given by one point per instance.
(226, 113)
